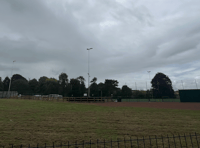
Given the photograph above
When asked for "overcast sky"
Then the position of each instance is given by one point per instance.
(128, 37)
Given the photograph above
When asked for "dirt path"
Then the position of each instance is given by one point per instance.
(171, 105)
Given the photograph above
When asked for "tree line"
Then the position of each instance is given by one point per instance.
(161, 86)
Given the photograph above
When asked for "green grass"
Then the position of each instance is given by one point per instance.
(31, 122)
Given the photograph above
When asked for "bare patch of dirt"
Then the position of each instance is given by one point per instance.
(170, 105)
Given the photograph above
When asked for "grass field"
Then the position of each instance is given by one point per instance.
(31, 122)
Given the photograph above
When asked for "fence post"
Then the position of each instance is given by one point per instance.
(162, 141)
(191, 139)
(168, 140)
(150, 140)
(174, 140)
(143, 141)
(111, 142)
(197, 139)
(180, 140)
(131, 142)
(118, 142)
(185, 140)
(124, 142)
(137, 141)
(104, 143)
(156, 141)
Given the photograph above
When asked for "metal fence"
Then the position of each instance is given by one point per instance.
(185, 141)
(5, 94)
(64, 99)
(148, 100)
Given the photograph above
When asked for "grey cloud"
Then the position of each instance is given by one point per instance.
(50, 37)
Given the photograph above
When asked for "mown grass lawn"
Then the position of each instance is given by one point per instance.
(31, 122)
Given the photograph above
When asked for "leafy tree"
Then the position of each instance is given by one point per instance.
(17, 77)
(42, 79)
(139, 94)
(81, 79)
(41, 85)
(118, 92)
(148, 94)
(93, 80)
(94, 91)
(126, 91)
(110, 86)
(75, 88)
(1, 85)
(162, 86)
(82, 85)
(101, 89)
(33, 84)
(6, 82)
(63, 78)
(63, 81)
(51, 86)
(21, 86)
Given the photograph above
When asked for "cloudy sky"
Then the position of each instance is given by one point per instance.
(128, 37)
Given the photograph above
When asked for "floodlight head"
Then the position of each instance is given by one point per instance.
(89, 48)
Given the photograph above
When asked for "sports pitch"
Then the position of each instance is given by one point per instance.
(31, 122)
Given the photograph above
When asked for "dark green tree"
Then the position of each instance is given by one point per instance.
(1, 85)
(51, 86)
(41, 85)
(63, 87)
(75, 88)
(81, 79)
(6, 82)
(101, 89)
(110, 86)
(33, 84)
(94, 80)
(21, 86)
(126, 91)
(162, 86)
(82, 88)
(148, 94)
(118, 93)
(94, 91)
(17, 77)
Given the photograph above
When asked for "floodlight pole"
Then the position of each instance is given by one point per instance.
(196, 83)
(11, 77)
(182, 83)
(88, 73)
(135, 85)
(149, 73)
(149, 79)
